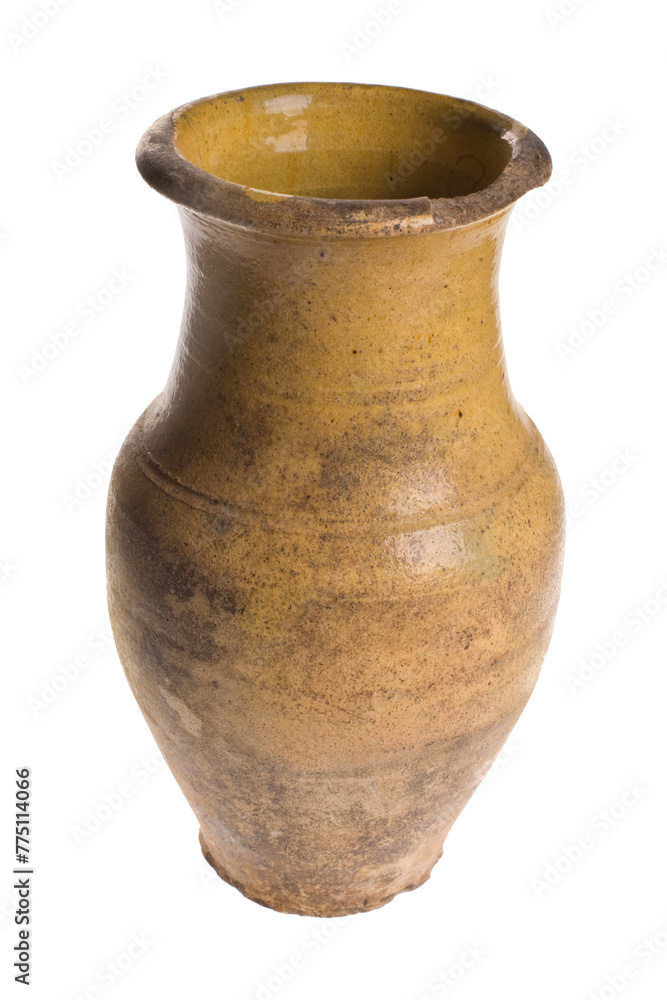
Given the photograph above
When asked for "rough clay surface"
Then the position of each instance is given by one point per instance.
(334, 554)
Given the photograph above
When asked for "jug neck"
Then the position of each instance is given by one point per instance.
(367, 320)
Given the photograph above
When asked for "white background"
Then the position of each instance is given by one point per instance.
(569, 249)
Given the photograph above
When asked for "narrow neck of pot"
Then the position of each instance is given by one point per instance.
(312, 373)
(358, 321)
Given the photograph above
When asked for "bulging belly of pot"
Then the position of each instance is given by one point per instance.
(336, 647)
(328, 698)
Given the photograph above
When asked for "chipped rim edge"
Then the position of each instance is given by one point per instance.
(166, 170)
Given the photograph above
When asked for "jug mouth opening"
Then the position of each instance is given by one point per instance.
(341, 159)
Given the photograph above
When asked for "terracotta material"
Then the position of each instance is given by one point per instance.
(335, 538)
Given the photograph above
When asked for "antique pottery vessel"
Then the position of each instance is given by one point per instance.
(335, 539)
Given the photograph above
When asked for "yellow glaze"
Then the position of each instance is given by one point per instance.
(335, 538)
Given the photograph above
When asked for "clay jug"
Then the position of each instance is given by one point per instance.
(335, 539)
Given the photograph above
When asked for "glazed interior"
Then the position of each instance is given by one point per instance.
(346, 141)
